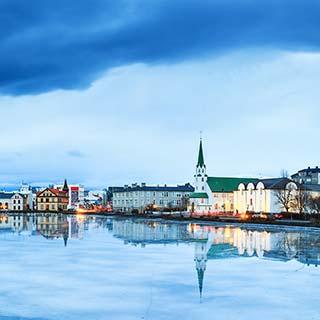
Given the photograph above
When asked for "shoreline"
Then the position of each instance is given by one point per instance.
(231, 220)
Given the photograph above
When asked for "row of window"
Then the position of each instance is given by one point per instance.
(142, 203)
(145, 194)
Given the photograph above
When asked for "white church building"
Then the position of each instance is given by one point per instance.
(213, 194)
(232, 195)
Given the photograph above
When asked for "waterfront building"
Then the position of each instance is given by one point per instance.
(262, 195)
(51, 199)
(12, 201)
(213, 194)
(139, 197)
(95, 197)
(75, 194)
(27, 192)
(307, 176)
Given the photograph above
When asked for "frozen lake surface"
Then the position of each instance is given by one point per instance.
(72, 267)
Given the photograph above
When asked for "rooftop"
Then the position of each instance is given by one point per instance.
(135, 187)
(227, 184)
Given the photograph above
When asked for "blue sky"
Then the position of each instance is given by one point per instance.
(114, 92)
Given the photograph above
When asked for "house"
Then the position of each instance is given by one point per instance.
(307, 176)
(12, 201)
(75, 194)
(213, 194)
(26, 191)
(138, 197)
(51, 199)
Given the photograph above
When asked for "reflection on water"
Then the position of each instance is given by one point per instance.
(209, 242)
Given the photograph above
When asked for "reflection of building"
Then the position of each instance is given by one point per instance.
(77, 225)
(144, 231)
(200, 258)
(51, 199)
(17, 223)
(53, 226)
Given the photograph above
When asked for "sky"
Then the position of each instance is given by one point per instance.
(116, 92)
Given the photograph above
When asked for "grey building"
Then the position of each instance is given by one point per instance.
(138, 197)
(307, 176)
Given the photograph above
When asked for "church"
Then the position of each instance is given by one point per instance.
(213, 194)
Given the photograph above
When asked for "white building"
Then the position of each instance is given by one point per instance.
(262, 195)
(136, 197)
(95, 197)
(75, 194)
(213, 195)
(10, 201)
(26, 191)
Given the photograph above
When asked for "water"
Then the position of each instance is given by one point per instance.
(72, 267)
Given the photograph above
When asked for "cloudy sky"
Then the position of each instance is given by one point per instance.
(113, 92)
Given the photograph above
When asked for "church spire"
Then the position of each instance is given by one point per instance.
(200, 156)
(65, 186)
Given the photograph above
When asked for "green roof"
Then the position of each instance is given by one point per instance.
(201, 195)
(200, 156)
(229, 184)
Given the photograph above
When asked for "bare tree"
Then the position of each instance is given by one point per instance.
(301, 200)
(285, 197)
(315, 204)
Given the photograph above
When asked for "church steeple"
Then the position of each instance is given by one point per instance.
(65, 186)
(200, 156)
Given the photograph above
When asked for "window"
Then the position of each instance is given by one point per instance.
(202, 187)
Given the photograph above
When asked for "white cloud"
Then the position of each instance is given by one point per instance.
(259, 113)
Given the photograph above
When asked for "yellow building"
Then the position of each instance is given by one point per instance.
(51, 199)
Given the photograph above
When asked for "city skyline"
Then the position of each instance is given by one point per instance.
(121, 95)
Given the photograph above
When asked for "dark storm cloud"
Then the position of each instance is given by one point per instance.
(64, 44)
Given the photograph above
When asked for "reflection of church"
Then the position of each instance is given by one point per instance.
(220, 242)
(210, 242)
(233, 242)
